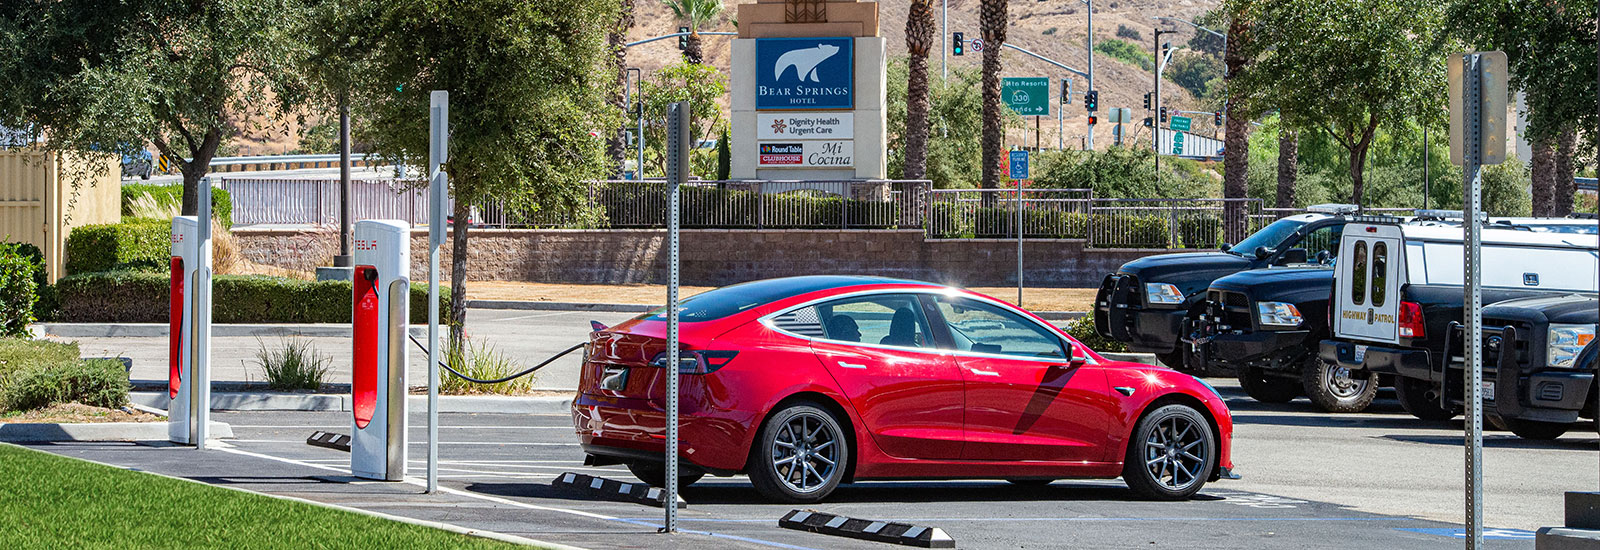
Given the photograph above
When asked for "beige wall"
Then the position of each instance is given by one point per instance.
(39, 205)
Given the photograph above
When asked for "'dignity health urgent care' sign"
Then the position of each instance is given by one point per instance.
(791, 126)
(804, 73)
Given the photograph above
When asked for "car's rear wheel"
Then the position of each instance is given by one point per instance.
(1335, 388)
(656, 474)
(1420, 399)
(800, 455)
(1266, 388)
(1533, 429)
(1171, 454)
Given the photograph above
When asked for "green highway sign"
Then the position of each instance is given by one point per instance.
(1180, 123)
(1028, 96)
(1177, 139)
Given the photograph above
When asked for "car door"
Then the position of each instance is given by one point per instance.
(880, 350)
(1026, 400)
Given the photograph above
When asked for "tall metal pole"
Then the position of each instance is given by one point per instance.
(1090, 135)
(1156, 143)
(1426, 181)
(438, 195)
(638, 92)
(1019, 241)
(677, 171)
(343, 259)
(1472, 110)
(944, 41)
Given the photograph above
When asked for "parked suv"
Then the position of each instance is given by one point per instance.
(1145, 303)
(1397, 300)
(1538, 363)
(1265, 325)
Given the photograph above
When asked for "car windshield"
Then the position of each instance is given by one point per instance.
(1270, 236)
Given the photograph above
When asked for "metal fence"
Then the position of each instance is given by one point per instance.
(763, 204)
(316, 202)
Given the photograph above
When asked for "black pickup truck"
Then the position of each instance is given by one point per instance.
(1539, 364)
(1397, 308)
(1146, 303)
(1264, 326)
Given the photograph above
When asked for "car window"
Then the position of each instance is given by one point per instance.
(1271, 236)
(881, 319)
(1323, 239)
(1380, 273)
(985, 328)
(1358, 277)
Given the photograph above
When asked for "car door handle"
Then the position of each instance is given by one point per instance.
(851, 365)
(984, 372)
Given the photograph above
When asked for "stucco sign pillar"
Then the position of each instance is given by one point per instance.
(808, 91)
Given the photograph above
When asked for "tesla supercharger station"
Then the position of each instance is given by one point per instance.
(187, 353)
(378, 384)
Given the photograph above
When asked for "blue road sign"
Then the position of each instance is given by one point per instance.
(1019, 165)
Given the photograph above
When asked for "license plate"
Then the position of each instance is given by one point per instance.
(1361, 353)
(1488, 390)
(614, 378)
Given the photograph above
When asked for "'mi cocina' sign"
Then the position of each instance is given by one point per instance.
(804, 73)
(807, 154)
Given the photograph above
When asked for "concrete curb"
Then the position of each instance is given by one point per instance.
(160, 330)
(269, 401)
(105, 431)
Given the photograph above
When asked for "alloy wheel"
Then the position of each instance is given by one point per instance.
(805, 453)
(1174, 453)
(1341, 384)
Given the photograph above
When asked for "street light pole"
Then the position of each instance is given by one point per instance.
(1090, 4)
(944, 41)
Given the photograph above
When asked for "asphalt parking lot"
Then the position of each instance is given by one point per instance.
(496, 472)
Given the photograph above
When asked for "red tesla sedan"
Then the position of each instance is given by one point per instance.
(803, 383)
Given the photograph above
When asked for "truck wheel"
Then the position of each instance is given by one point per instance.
(1335, 389)
(1534, 429)
(1418, 398)
(1267, 389)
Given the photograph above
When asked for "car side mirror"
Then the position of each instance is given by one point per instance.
(1292, 256)
(1323, 257)
(1262, 252)
(1227, 246)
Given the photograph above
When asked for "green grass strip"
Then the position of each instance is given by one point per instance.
(49, 501)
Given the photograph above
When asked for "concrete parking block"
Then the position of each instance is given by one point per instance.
(611, 489)
(866, 529)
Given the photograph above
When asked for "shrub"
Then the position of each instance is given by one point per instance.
(483, 362)
(1124, 31)
(946, 221)
(97, 383)
(141, 297)
(1130, 232)
(1127, 52)
(141, 244)
(18, 291)
(221, 202)
(16, 353)
(1082, 329)
(295, 365)
(1203, 232)
(1055, 224)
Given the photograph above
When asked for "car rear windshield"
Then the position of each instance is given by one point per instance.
(722, 302)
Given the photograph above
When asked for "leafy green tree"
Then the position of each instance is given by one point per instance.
(1199, 73)
(1551, 46)
(955, 127)
(529, 86)
(992, 25)
(1127, 52)
(88, 75)
(700, 85)
(1124, 172)
(919, 41)
(1343, 66)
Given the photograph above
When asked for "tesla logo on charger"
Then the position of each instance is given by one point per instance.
(177, 237)
(366, 244)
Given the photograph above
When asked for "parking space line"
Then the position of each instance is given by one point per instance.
(508, 502)
(1119, 519)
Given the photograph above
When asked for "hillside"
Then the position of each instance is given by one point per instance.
(1120, 84)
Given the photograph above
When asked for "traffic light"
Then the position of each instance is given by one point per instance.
(1091, 100)
(1163, 113)
(1147, 122)
(1093, 120)
(1146, 101)
(1217, 117)
(960, 47)
(683, 41)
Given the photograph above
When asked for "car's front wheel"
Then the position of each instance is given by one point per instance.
(1171, 454)
(800, 455)
(1337, 389)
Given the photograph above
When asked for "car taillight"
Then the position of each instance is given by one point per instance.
(697, 361)
(1411, 325)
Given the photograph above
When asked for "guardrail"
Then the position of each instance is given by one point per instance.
(284, 162)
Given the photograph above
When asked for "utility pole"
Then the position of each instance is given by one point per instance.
(1090, 3)
(1156, 141)
(944, 30)
(343, 259)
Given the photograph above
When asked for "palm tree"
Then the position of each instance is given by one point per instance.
(992, 23)
(919, 39)
(696, 13)
(617, 38)
(1236, 138)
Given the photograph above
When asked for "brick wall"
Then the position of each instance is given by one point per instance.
(714, 257)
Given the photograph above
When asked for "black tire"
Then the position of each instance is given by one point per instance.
(655, 475)
(1534, 429)
(1162, 446)
(1030, 482)
(1265, 388)
(1418, 398)
(779, 445)
(1334, 388)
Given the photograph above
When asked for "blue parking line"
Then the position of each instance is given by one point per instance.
(1459, 533)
